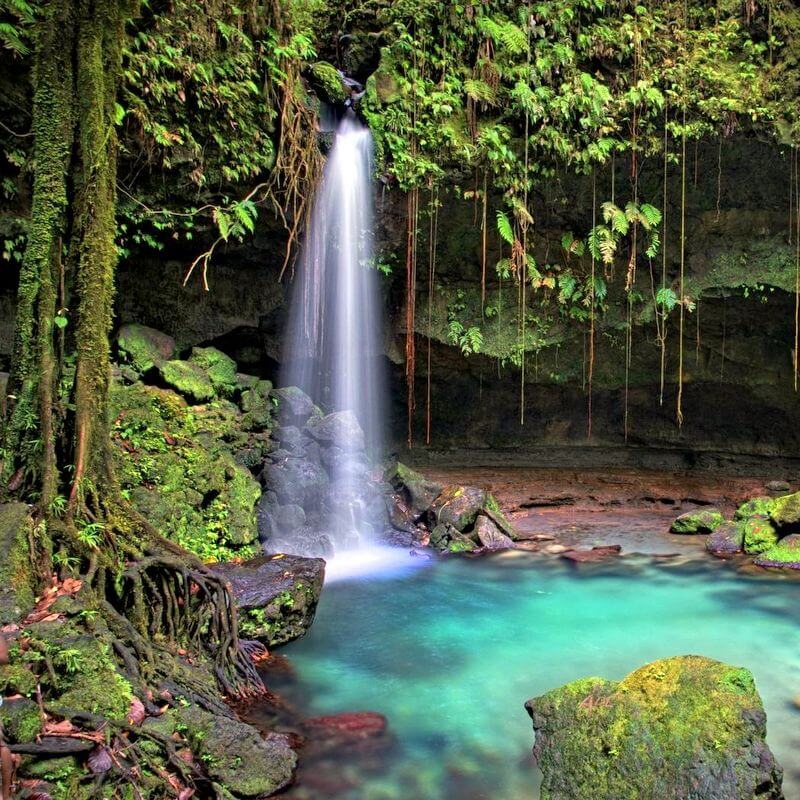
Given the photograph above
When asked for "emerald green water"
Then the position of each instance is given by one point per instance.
(450, 652)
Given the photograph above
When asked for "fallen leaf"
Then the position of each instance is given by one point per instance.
(62, 728)
(137, 712)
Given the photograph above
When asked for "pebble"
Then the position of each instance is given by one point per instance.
(555, 549)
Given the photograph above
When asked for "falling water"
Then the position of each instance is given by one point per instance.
(334, 342)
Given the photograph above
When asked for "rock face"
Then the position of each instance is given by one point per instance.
(16, 594)
(705, 520)
(276, 596)
(684, 727)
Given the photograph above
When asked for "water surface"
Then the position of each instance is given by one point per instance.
(449, 653)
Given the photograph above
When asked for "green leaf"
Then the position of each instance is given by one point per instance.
(504, 227)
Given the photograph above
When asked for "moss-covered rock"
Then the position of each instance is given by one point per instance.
(727, 539)
(755, 507)
(189, 380)
(684, 727)
(416, 490)
(785, 512)
(16, 582)
(704, 520)
(759, 535)
(327, 82)
(785, 554)
(459, 506)
(220, 369)
(177, 463)
(21, 719)
(276, 596)
(236, 755)
(143, 348)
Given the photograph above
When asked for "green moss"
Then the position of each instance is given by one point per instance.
(177, 463)
(16, 678)
(188, 379)
(756, 507)
(785, 511)
(785, 553)
(327, 81)
(16, 578)
(56, 770)
(21, 720)
(704, 520)
(759, 535)
(143, 348)
(220, 369)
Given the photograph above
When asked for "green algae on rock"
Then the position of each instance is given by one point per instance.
(755, 507)
(143, 348)
(682, 727)
(785, 554)
(220, 369)
(785, 512)
(188, 379)
(705, 520)
(759, 535)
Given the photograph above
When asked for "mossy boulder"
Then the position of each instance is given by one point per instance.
(759, 535)
(276, 595)
(755, 507)
(415, 489)
(236, 755)
(21, 719)
(257, 406)
(785, 554)
(327, 83)
(785, 512)
(704, 520)
(683, 727)
(16, 583)
(189, 380)
(459, 506)
(178, 464)
(220, 369)
(143, 348)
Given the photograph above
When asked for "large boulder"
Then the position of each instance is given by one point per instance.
(338, 429)
(297, 481)
(726, 540)
(236, 755)
(490, 536)
(755, 507)
(704, 520)
(276, 595)
(220, 369)
(295, 407)
(415, 490)
(683, 727)
(16, 592)
(459, 506)
(143, 348)
(759, 535)
(785, 512)
(786, 553)
(189, 380)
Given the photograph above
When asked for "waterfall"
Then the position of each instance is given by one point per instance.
(334, 343)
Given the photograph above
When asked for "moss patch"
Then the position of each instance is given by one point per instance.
(759, 535)
(16, 592)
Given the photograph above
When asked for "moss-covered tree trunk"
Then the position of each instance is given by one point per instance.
(57, 449)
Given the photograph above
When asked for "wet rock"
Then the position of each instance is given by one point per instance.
(143, 348)
(16, 592)
(299, 481)
(595, 555)
(339, 429)
(458, 506)
(236, 755)
(681, 727)
(726, 540)
(295, 407)
(759, 535)
(276, 596)
(417, 491)
(555, 549)
(490, 536)
(705, 520)
(290, 518)
(786, 553)
(785, 512)
(189, 380)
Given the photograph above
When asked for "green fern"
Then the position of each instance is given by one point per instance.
(504, 227)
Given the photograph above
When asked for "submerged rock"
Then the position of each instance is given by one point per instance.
(276, 596)
(786, 553)
(726, 540)
(705, 520)
(683, 727)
